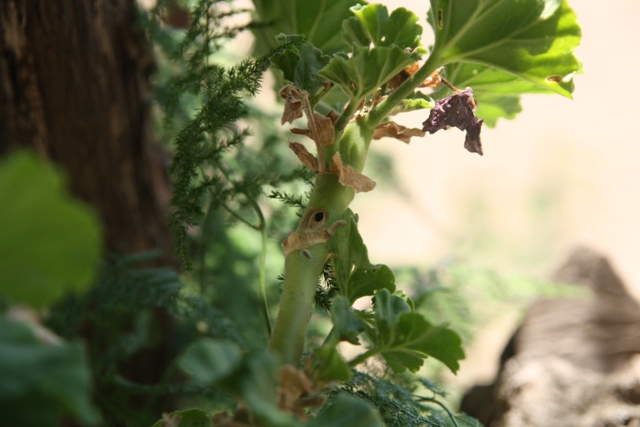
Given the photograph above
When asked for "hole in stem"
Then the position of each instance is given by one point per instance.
(314, 221)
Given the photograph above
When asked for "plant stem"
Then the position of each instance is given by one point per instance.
(363, 356)
(380, 111)
(442, 405)
(303, 267)
(302, 272)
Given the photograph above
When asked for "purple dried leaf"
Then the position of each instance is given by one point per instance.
(457, 111)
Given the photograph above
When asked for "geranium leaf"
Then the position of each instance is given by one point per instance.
(399, 29)
(346, 324)
(319, 21)
(354, 273)
(531, 39)
(330, 365)
(367, 69)
(301, 64)
(496, 91)
(405, 338)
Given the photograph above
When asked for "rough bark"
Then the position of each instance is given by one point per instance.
(573, 362)
(73, 86)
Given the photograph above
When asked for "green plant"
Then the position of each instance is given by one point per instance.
(348, 68)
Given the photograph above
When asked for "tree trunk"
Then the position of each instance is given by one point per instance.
(73, 86)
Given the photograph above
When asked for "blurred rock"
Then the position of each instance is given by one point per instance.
(573, 362)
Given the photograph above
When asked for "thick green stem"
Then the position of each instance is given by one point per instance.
(380, 111)
(303, 267)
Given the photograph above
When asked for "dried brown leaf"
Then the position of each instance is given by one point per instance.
(305, 156)
(349, 176)
(296, 241)
(402, 76)
(321, 130)
(457, 110)
(294, 380)
(433, 81)
(394, 130)
(294, 99)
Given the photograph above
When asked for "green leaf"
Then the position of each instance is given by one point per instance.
(346, 324)
(367, 280)
(388, 309)
(416, 101)
(366, 70)
(300, 65)
(404, 338)
(496, 91)
(355, 275)
(209, 361)
(319, 21)
(330, 365)
(531, 39)
(187, 418)
(347, 411)
(399, 29)
(50, 243)
(42, 384)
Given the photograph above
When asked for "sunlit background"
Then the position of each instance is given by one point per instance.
(564, 172)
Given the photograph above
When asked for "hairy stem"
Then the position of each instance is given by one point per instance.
(304, 267)
(380, 111)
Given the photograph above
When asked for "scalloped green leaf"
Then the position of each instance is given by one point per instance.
(53, 244)
(301, 64)
(366, 70)
(330, 365)
(355, 275)
(346, 324)
(367, 280)
(388, 308)
(319, 21)
(531, 39)
(399, 29)
(405, 338)
(497, 92)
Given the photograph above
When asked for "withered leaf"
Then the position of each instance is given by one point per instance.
(296, 241)
(394, 130)
(294, 99)
(305, 156)
(322, 130)
(402, 76)
(457, 110)
(433, 80)
(294, 381)
(349, 176)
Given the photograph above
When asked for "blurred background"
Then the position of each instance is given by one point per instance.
(563, 173)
